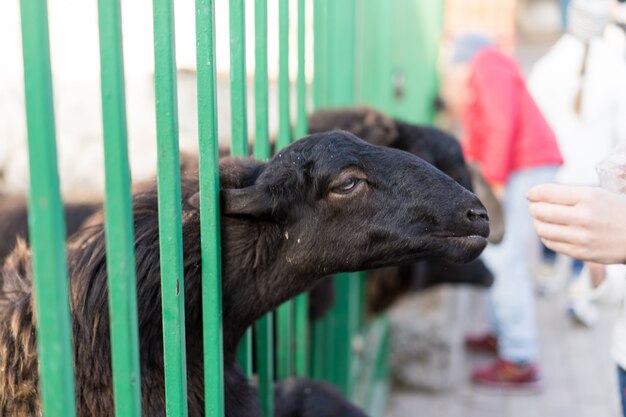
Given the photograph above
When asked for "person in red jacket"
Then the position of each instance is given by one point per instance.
(506, 135)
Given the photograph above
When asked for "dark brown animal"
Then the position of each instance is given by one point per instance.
(14, 220)
(442, 151)
(326, 204)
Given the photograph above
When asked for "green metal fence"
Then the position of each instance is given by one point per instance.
(331, 350)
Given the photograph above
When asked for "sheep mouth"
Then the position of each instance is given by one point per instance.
(470, 240)
(461, 248)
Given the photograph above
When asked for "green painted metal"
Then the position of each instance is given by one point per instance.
(301, 126)
(264, 332)
(372, 379)
(239, 121)
(318, 353)
(284, 313)
(284, 340)
(319, 54)
(302, 338)
(336, 87)
(401, 83)
(284, 123)
(239, 126)
(344, 326)
(244, 353)
(262, 138)
(342, 76)
(119, 231)
(47, 230)
(209, 210)
(264, 328)
(340, 46)
(170, 229)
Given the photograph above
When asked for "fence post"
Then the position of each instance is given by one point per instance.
(119, 231)
(209, 210)
(170, 218)
(302, 301)
(45, 218)
(239, 127)
(284, 313)
(264, 327)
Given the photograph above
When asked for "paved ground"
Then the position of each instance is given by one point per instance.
(579, 377)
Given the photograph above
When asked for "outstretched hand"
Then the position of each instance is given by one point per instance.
(586, 223)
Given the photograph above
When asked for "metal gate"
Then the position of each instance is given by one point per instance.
(342, 347)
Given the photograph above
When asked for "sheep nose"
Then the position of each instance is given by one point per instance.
(477, 214)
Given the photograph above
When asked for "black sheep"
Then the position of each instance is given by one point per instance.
(14, 220)
(326, 204)
(435, 147)
(431, 144)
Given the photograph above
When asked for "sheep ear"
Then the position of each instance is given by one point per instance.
(249, 201)
(194, 201)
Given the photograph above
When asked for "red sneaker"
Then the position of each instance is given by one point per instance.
(486, 343)
(508, 375)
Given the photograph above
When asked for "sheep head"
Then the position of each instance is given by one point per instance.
(344, 205)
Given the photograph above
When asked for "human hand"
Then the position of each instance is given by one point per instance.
(585, 223)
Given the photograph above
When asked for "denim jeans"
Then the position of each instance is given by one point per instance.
(512, 305)
(621, 378)
(563, 6)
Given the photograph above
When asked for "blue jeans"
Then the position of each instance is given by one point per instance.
(563, 6)
(512, 305)
(621, 378)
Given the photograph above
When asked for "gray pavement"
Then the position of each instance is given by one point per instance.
(579, 376)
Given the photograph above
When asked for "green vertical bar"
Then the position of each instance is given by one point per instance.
(244, 353)
(301, 301)
(301, 127)
(170, 229)
(209, 211)
(264, 328)
(319, 53)
(239, 121)
(345, 315)
(239, 127)
(261, 140)
(331, 354)
(47, 229)
(264, 331)
(284, 313)
(302, 335)
(284, 338)
(318, 355)
(341, 25)
(119, 217)
(335, 28)
(284, 121)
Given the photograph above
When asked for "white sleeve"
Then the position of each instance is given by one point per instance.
(619, 117)
(611, 291)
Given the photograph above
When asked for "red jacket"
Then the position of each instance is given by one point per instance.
(505, 131)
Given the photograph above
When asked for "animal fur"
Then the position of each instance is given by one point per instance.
(328, 203)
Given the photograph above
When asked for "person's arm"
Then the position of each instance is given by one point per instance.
(585, 223)
(496, 92)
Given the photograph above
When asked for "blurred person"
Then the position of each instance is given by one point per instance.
(615, 33)
(506, 135)
(580, 87)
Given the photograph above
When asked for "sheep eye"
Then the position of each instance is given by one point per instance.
(347, 186)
